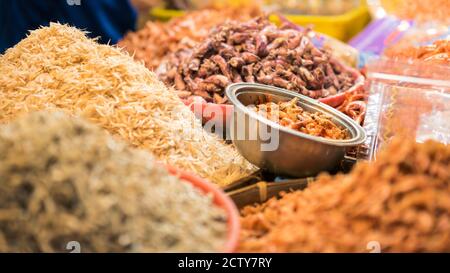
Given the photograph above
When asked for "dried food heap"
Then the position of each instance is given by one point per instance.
(157, 39)
(438, 52)
(291, 115)
(63, 179)
(258, 51)
(401, 201)
(59, 67)
(419, 10)
(355, 105)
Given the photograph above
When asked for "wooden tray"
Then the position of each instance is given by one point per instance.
(262, 191)
(260, 186)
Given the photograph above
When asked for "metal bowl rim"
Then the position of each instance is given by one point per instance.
(359, 138)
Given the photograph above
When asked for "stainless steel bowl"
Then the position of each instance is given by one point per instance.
(279, 149)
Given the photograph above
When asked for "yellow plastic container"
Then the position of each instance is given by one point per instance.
(165, 14)
(342, 27)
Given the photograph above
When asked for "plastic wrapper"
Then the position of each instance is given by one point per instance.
(422, 42)
(378, 34)
(410, 99)
(389, 33)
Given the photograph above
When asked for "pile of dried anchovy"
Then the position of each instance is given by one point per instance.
(400, 202)
(258, 51)
(291, 115)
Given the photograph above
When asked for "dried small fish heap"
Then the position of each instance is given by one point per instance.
(401, 201)
(59, 67)
(157, 39)
(291, 115)
(258, 51)
(63, 179)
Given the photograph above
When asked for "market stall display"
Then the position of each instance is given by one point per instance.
(401, 201)
(64, 179)
(153, 144)
(58, 67)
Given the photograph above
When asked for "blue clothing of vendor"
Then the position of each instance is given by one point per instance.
(107, 19)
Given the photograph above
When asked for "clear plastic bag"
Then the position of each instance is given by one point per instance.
(407, 99)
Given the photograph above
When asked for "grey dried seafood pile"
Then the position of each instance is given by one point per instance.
(63, 179)
(257, 51)
(400, 202)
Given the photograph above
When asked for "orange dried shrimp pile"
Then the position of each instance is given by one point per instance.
(438, 52)
(355, 105)
(291, 115)
(157, 39)
(401, 202)
(422, 10)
